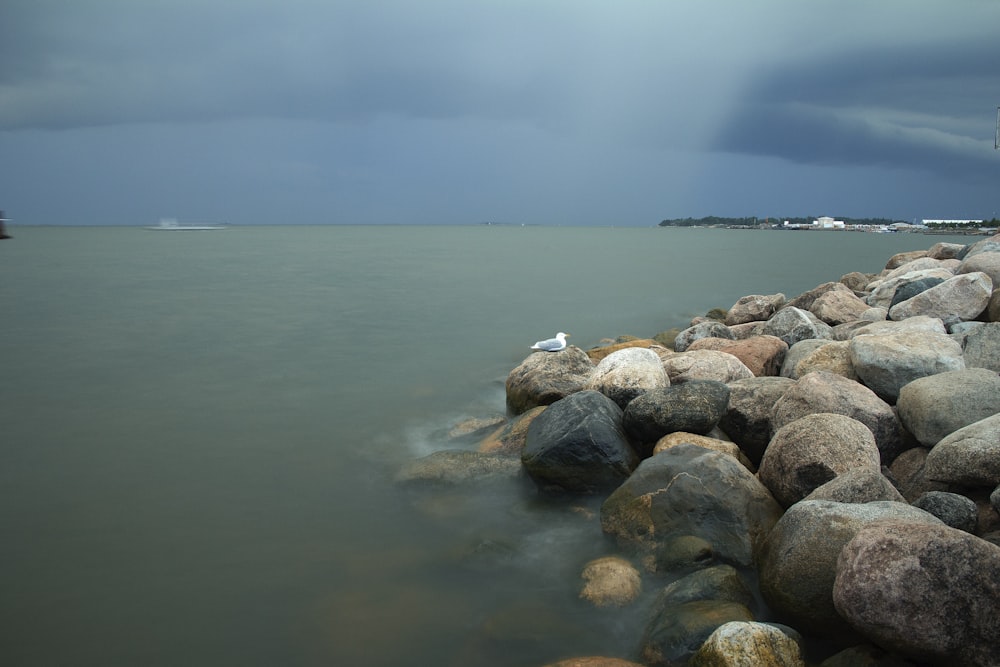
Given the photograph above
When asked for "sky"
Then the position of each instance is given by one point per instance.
(562, 112)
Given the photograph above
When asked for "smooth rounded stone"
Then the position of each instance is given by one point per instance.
(747, 420)
(684, 554)
(748, 644)
(962, 329)
(909, 471)
(865, 655)
(578, 445)
(799, 559)
(693, 407)
(596, 354)
(806, 300)
(860, 485)
(963, 296)
(627, 373)
(990, 244)
(918, 264)
(690, 490)
(875, 314)
(993, 308)
(935, 406)
(792, 324)
(968, 457)
(945, 250)
(594, 661)
(610, 581)
(884, 289)
(748, 330)
(985, 262)
(545, 377)
(837, 307)
(913, 288)
(810, 451)
(886, 363)
(856, 281)
(763, 355)
(982, 347)
(845, 331)
(918, 323)
(709, 329)
(754, 308)
(704, 365)
(834, 357)
(673, 637)
(453, 467)
(798, 352)
(929, 592)
(509, 439)
(953, 509)
(724, 446)
(901, 258)
(823, 391)
(474, 426)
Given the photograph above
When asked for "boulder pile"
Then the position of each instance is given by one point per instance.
(825, 467)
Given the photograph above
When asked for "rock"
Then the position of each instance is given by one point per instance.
(953, 509)
(919, 323)
(594, 661)
(945, 250)
(799, 559)
(833, 356)
(798, 352)
(763, 355)
(995, 499)
(855, 281)
(985, 262)
(747, 420)
(748, 330)
(509, 438)
(598, 353)
(885, 363)
(993, 309)
(911, 289)
(865, 655)
(806, 300)
(458, 466)
(968, 457)
(859, 485)
(927, 591)
(709, 329)
(909, 471)
(981, 348)
(810, 451)
(694, 407)
(610, 581)
(674, 636)
(875, 314)
(748, 644)
(991, 244)
(822, 391)
(680, 438)
(754, 308)
(883, 290)
(704, 365)
(685, 554)
(623, 375)
(474, 426)
(836, 307)
(792, 324)
(577, 445)
(934, 406)
(689, 490)
(901, 258)
(544, 378)
(963, 296)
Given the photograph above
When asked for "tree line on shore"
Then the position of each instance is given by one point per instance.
(755, 221)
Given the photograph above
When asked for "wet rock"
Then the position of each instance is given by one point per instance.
(981, 348)
(458, 466)
(610, 581)
(748, 644)
(963, 296)
(474, 426)
(885, 363)
(933, 407)
(860, 485)
(708, 329)
(792, 324)
(968, 457)
(684, 554)
(747, 420)
(627, 373)
(763, 355)
(675, 636)
(598, 353)
(693, 407)
(509, 439)
(704, 365)
(724, 446)
(927, 591)
(545, 377)
(578, 445)
(754, 308)
(865, 655)
(810, 451)
(594, 661)
(953, 509)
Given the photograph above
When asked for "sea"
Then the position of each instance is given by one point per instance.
(201, 433)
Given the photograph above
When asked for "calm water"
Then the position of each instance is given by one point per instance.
(200, 431)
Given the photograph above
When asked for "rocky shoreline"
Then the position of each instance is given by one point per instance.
(821, 468)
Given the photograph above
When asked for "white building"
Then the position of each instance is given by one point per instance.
(827, 222)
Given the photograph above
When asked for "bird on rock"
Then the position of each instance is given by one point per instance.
(552, 344)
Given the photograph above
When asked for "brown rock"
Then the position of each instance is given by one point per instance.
(763, 355)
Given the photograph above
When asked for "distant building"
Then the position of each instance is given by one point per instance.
(827, 222)
(950, 223)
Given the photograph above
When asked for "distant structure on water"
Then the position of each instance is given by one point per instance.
(3, 227)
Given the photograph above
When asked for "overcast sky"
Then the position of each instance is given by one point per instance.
(535, 111)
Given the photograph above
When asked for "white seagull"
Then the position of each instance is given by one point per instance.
(552, 344)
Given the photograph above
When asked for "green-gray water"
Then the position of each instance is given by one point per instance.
(200, 431)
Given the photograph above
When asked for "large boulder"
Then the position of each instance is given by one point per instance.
(935, 406)
(623, 375)
(991, 244)
(798, 352)
(860, 485)
(806, 300)
(927, 591)
(884, 289)
(920, 323)
(834, 356)
(694, 407)
(457, 467)
(509, 438)
(985, 262)
(968, 457)
(748, 644)
(945, 250)
(901, 258)
(763, 355)
(747, 420)
(909, 472)
(704, 365)
(911, 289)
(822, 391)
(981, 348)
(577, 445)
(963, 296)
(691, 491)
(885, 363)
(953, 509)
(754, 308)
(724, 446)
(810, 451)
(792, 324)
(839, 306)
(707, 329)
(799, 559)
(545, 377)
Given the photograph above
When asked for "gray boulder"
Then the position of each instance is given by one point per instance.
(810, 451)
(834, 357)
(693, 407)
(707, 329)
(911, 289)
(704, 365)
(884, 289)
(797, 352)
(993, 308)
(577, 445)
(691, 491)
(754, 308)
(839, 306)
(981, 348)
(822, 391)
(934, 406)
(968, 457)
(747, 420)
(909, 471)
(963, 296)
(888, 362)
(792, 324)
(991, 244)
(927, 591)
(799, 559)
(918, 323)
(953, 509)
(627, 373)
(985, 262)
(545, 377)
(860, 485)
